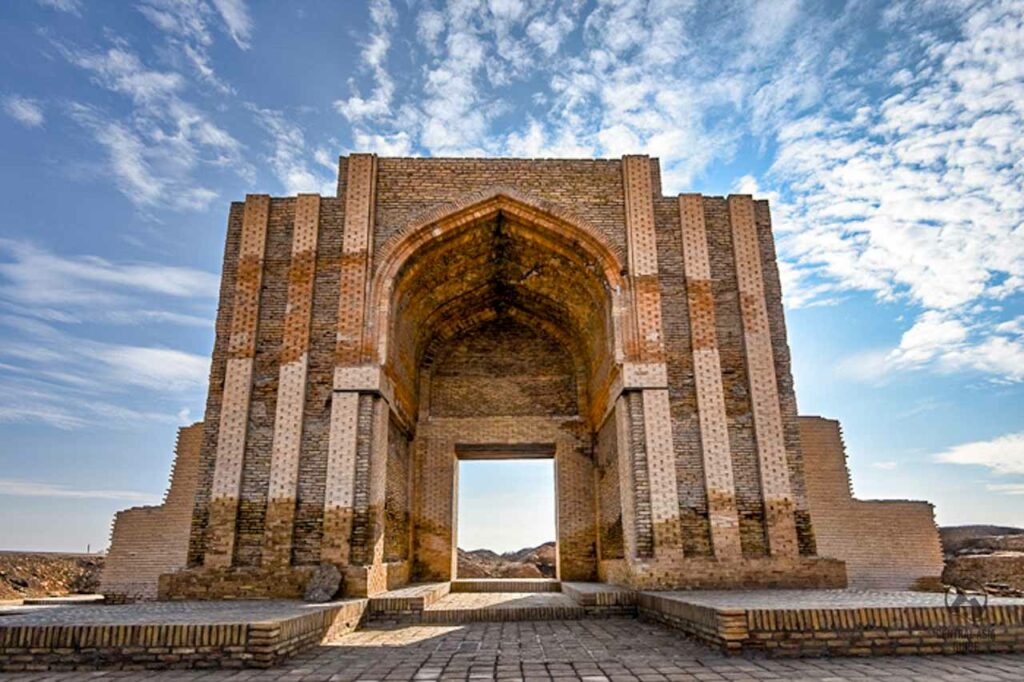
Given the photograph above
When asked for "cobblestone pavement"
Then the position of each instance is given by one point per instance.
(594, 650)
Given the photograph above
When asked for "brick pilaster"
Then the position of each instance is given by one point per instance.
(649, 347)
(707, 370)
(773, 467)
(291, 392)
(234, 419)
(357, 245)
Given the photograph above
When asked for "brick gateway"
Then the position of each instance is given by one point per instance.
(439, 307)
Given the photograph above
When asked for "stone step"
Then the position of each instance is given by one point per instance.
(409, 599)
(602, 598)
(478, 607)
(506, 585)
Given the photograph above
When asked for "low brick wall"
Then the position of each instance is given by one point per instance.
(722, 628)
(162, 646)
(867, 631)
(202, 584)
(876, 631)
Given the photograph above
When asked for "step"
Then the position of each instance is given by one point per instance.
(479, 607)
(409, 599)
(601, 598)
(506, 585)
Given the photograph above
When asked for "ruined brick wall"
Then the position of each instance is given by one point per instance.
(146, 542)
(885, 543)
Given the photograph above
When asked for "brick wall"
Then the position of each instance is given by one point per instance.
(456, 300)
(148, 541)
(885, 543)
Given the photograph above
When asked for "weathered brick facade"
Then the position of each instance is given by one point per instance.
(440, 309)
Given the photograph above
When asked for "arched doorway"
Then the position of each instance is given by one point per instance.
(498, 329)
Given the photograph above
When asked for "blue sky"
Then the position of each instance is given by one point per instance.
(888, 137)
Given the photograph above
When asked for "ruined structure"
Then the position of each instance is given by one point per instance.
(446, 309)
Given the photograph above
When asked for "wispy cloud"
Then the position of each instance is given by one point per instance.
(25, 111)
(1006, 488)
(235, 14)
(69, 6)
(290, 157)
(62, 288)
(884, 466)
(19, 488)
(153, 154)
(357, 108)
(1002, 455)
(52, 371)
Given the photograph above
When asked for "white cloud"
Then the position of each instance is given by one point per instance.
(20, 488)
(71, 381)
(45, 285)
(25, 111)
(188, 39)
(69, 6)
(1006, 488)
(290, 156)
(235, 14)
(122, 71)
(51, 372)
(154, 153)
(885, 466)
(356, 108)
(1002, 455)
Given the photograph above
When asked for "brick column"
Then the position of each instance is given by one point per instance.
(649, 348)
(707, 371)
(234, 416)
(357, 245)
(773, 467)
(291, 391)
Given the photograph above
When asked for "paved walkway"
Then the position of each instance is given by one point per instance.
(596, 650)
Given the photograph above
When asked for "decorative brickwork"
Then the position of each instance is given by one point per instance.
(291, 392)
(443, 308)
(234, 419)
(707, 370)
(773, 466)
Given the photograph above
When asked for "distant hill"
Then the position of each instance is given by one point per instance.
(46, 574)
(980, 539)
(529, 562)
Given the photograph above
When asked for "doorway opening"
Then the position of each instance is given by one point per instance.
(505, 514)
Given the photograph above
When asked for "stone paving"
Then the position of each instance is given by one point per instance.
(602, 650)
(164, 613)
(820, 599)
